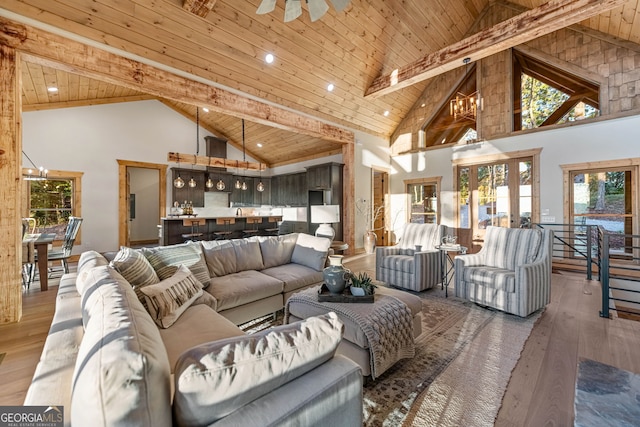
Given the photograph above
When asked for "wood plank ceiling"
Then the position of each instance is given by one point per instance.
(227, 45)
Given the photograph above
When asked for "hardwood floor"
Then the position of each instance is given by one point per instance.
(541, 389)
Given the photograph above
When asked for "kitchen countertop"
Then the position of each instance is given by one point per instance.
(181, 217)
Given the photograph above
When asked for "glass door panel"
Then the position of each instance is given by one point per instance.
(493, 196)
(524, 204)
(464, 213)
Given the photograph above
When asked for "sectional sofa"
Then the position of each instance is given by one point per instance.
(150, 337)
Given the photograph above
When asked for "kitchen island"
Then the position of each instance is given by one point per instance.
(173, 227)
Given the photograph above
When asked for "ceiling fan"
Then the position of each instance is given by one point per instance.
(293, 8)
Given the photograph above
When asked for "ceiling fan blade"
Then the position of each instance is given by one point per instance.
(339, 5)
(266, 6)
(292, 10)
(317, 8)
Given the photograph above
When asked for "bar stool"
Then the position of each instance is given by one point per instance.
(226, 232)
(195, 228)
(254, 226)
(273, 231)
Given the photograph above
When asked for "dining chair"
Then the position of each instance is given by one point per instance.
(63, 253)
(28, 253)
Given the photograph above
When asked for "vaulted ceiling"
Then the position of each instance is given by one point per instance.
(227, 46)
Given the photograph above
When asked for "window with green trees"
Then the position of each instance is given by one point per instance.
(546, 95)
(53, 200)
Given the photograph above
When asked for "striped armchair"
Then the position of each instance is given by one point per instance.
(403, 267)
(512, 271)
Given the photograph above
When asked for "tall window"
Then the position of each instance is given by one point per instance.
(604, 197)
(53, 200)
(545, 95)
(444, 127)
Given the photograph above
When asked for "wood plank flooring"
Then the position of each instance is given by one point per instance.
(541, 389)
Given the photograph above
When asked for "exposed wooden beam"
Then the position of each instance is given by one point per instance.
(51, 50)
(85, 102)
(199, 7)
(219, 162)
(529, 25)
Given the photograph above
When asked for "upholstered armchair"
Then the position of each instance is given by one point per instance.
(512, 271)
(402, 266)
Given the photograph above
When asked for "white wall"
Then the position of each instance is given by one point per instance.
(587, 142)
(90, 139)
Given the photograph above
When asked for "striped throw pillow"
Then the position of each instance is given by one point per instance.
(135, 268)
(167, 300)
(165, 260)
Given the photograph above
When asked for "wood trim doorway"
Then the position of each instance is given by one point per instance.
(380, 197)
(123, 195)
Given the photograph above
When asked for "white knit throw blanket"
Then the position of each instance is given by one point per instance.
(387, 323)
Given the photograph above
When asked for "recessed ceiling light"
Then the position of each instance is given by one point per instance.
(206, 110)
(423, 105)
(269, 58)
(259, 144)
(52, 89)
(330, 87)
(386, 113)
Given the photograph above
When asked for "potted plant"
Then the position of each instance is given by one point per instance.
(361, 284)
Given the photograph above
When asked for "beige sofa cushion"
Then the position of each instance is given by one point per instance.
(197, 325)
(311, 251)
(242, 288)
(277, 250)
(167, 300)
(215, 379)
(122, 374)
(220, 257)
(248, 255)
(294, 276)
(166, 259)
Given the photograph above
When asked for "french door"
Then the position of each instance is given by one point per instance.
(497, 193)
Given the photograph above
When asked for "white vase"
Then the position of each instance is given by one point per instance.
(370, 242)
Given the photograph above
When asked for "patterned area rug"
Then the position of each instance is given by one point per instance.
(457, 338)
(606, 395)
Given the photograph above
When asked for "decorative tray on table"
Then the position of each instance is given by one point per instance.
(325, 296)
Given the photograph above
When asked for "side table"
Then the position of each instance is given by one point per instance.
(338, 246)
(446, 263)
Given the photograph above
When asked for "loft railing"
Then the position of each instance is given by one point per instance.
(577, 243)
(626, 271)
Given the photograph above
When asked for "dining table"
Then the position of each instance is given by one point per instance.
(41, 243)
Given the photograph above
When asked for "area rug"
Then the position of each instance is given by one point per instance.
(606, 395)
(463, 348)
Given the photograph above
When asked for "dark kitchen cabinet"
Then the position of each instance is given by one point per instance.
(195, 195)
(289, 189)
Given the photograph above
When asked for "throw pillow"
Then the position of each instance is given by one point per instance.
(311, 251)
(248, 255)
(167, 300)
(220, 257)
(277, 250)
(135, 268)
(214, 379)
(166, 259)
